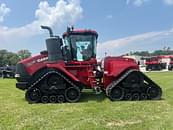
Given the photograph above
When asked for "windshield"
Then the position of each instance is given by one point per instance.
(82, 47)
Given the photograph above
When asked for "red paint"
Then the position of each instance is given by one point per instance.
(32, 65)
(155, 60)
(114, 66)
(83, 71)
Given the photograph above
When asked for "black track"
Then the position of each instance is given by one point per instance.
(134, 85)
(53, 87)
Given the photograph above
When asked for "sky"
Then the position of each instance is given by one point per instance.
(123, 25)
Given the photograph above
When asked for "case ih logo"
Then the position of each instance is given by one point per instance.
(37, 61)
(42, 59)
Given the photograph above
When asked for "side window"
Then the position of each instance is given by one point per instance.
(67, 49)
(81, 47)
(67, 43)
(95, 46)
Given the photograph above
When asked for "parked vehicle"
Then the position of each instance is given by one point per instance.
(155, 63)
(69, 65)
(170, 67)
(7, 72)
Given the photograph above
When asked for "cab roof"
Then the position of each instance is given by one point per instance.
(81, 32)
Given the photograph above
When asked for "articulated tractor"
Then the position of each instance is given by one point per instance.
(69, 65)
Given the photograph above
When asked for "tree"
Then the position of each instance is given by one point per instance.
(169, 49)
(14, 59)
(8, 58)
(141, 53)
(164, 51)
(23, 54)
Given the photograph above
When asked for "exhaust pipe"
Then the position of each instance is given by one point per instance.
(53, 44)
(49, 29)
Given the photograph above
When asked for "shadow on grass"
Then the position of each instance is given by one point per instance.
(91, 96)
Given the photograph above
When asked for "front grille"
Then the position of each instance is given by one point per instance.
(21, 71)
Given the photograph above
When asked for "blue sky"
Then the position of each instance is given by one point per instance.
(123, 25)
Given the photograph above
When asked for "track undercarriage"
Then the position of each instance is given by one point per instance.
(54, 87)
(133, 85)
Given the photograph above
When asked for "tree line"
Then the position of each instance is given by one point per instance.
(164, 51)
(11, 58)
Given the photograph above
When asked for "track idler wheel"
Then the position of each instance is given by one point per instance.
(116, 93)
(128, 97)
(52, 99)
(60, 99)
(143, 96)
(45, 99)
(154, 93)
(72, 94)
(33, 95)
(135, 97)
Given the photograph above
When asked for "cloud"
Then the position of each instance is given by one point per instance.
(3, 11)
(141, 41)
(110, 16)
(168, 2)
(62, 14)
(139, 3)
(136, 2)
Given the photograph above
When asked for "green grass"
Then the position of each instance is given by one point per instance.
(92, 112)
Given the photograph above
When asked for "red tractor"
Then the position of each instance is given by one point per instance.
(170, 66)
(69, 65)
(155, 63)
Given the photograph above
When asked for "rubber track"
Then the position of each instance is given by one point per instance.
(48, 73)
(115, 83)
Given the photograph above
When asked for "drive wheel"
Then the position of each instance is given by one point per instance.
(72, 94)
(154, 93)
(33, 95)
(134, 77)
(54, 80)
(116, 94)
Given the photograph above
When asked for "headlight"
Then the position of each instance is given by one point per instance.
(17, 75)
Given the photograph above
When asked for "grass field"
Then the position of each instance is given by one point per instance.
(92, 112)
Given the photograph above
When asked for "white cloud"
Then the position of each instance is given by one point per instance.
(62, 14)
(110, 16)
(168, 2)
(136, 2)
(151, 39)
(139, 3)
(4, 10)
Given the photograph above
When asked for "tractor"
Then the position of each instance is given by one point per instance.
(155, 63)
(69, 66)
(170, 66)
(7, 72)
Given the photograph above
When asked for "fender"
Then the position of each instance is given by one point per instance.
(115, 66)
(62, 69)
